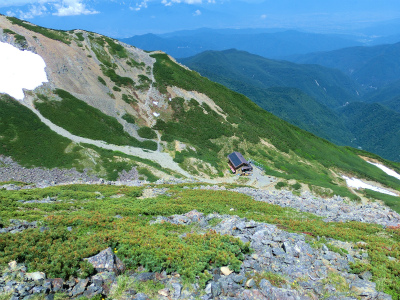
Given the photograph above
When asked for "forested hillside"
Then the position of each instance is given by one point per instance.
(317, 104)
(372, 67)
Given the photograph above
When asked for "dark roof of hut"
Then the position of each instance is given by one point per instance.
(237, 159)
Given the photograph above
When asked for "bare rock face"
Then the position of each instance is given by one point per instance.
(107, 261)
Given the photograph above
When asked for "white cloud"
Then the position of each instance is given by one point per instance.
(42, 7)
(197, 13)
(169, 3)
(140, 5)
(72, 8)
(263, 16)
(10, 3)
(34, 11)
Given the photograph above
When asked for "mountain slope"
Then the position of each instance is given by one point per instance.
(375, 127)
(196, 122)
(295, 93)
(327, 86)
(388, 96)
(316, 108)
(372, 67)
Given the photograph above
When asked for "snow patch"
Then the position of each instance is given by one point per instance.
(20, 70)
(385, 169)
(357, 183)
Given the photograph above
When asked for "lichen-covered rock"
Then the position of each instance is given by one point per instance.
(35, 276)
(106, 261)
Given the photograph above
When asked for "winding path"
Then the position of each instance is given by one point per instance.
(164, 159)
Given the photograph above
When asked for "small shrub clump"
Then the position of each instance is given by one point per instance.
(147, 133)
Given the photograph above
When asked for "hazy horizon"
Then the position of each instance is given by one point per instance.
(127, 18)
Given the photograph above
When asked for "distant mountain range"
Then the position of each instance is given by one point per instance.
(276, 44)
(321, 100)
(372, 67)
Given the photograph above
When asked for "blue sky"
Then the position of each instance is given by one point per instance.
(129, 17)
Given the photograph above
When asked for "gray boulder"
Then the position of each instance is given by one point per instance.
(107, 261)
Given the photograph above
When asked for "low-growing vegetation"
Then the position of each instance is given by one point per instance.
(115, 48)
(159, 247)
(129, 118)
(117, 79)
(57, 35)
(19, 39)
(83, 120)
(101, 80)
(129, 99)
(29, 141)
(144, 82)
(148, 174)
(147, 133)
(392, 201)
(134, 64)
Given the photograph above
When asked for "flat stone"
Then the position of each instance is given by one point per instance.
(164, 292)
(177, 290)
(57, 284)
(252, 295)
(35, 276)
(250, 283)
(278, 252)
(79, 288)
(92, 291)
(49, 297)
(215, 289)
(366, 275)
(146, 276)
(350, 258)
(38, 290)
(141, 296)
(226, 271)
(207, 290)
(12, 265)
(239, 279)
(364, 288)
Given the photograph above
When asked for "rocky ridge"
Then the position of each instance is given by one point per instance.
(335, 209)
(306, 271)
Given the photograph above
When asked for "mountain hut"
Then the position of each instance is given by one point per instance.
(236, 161)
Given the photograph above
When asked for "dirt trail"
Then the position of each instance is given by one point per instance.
(164, 159)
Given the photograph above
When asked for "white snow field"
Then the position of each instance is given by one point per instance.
(357, 183)
(385, 169)
(20, 70)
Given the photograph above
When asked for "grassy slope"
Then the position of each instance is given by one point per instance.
(332, 90)
(59, 252)
(83, 120)
(255, 123)
(32, 144)
(287, 90)
(289, 104)
(388, 95)
(246, 74)
(25, 138)
(374, 66)
(375, 127)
